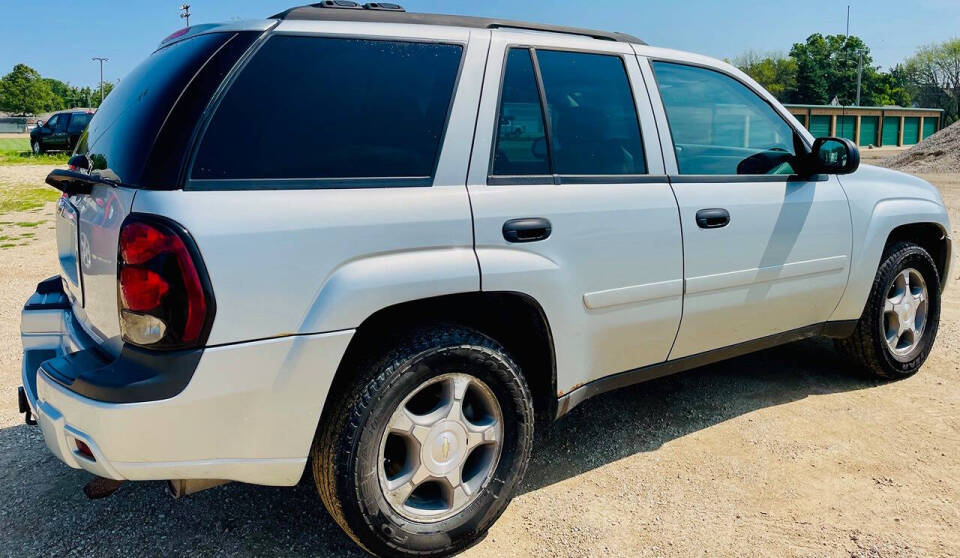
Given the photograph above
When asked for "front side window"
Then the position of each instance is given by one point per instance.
(53, 122)
(594, 129)
(329, 108)
(720, 126)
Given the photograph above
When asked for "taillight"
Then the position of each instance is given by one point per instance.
(164, 297)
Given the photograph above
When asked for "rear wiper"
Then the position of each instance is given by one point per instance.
(72, 182)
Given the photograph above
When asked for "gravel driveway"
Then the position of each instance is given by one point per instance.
(784, 452)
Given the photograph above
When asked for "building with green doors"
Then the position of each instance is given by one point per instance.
(876, 126)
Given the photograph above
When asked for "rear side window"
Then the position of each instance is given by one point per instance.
(78, 122)
(593, 120)
(313, 108)
(521, 147)
(593, 124)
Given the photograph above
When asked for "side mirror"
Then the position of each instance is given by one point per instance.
(539, 148)
(834, 156)
(39, 123)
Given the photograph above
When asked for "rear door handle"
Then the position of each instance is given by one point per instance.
(713, 218)
(529, 229)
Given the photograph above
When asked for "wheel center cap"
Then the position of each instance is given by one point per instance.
(445, 447)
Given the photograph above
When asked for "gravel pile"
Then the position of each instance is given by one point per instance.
(939, 153)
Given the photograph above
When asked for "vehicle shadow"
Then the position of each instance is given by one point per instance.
(43, 510)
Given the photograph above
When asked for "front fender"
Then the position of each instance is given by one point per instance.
(358, 288)
(886, 215)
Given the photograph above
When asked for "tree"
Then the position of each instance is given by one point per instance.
(23, 92)
(774, 71)
(827, 68)
(933, 74)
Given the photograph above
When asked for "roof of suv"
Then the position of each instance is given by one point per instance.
(324, 13)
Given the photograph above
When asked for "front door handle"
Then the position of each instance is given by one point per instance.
(529, 229)
(713, 218)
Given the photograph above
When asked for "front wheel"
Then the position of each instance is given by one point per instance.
(35, 147)
(423, 452)
(899, 323)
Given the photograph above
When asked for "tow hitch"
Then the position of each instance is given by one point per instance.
(25, 406)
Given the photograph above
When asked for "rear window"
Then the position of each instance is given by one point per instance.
(122, 131)
(320, 109)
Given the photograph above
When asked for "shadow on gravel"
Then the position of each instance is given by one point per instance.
(643, 417)
(44, 512)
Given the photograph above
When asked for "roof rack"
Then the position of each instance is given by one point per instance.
(382, 12)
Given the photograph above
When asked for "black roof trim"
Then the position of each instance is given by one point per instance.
(378, 16)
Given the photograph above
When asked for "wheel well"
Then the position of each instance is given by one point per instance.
(928, 235)
(514, 320)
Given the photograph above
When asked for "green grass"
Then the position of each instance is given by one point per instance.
(27, 224)
(24, 198)
(16, 151)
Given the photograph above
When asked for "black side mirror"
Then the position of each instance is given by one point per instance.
(834, 156)
(539, 148)
(39, 123)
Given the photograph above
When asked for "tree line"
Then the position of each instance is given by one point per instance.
(24, 91)
(825, 67)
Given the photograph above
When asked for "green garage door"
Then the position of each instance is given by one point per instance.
(911, 130)
(891, 130)
(868, 130)
(929, 127)
(802, 118)
(820, 126)
(847, 127)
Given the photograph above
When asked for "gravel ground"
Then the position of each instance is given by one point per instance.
(783, 452)
(940, 153)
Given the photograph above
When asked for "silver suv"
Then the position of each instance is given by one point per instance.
(383, 245)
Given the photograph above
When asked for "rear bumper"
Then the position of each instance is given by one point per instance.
(248, 412)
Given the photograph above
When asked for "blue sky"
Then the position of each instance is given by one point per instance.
(58, 37)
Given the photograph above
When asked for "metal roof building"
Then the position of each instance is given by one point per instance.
(876, 126)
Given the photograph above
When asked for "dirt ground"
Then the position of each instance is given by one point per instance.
(781, 453)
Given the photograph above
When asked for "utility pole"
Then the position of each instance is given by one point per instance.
(848, 20)
(185, 13)
(859, 74)
(101, 60)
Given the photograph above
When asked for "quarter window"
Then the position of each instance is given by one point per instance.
(594, 129)
(719, 126)
(327, 108)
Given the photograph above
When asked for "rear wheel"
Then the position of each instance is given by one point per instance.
(899, 324)
(423, 452)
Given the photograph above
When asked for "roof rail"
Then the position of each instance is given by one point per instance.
(381, 12)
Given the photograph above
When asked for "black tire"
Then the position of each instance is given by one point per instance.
(867, 346)
(347, 443)
(36, 147)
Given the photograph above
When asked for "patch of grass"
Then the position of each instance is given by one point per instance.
(25, 198)
(28, 223)
(28, 235)
(16, 151)
(7, 245)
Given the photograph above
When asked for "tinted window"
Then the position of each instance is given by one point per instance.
(593, 120)
(308, 107)
(78, 122)
(719, 126)
(521, 143)
(122, 131)
(53, 122)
